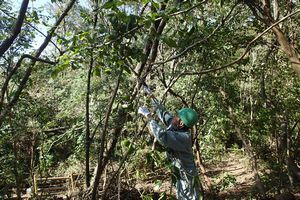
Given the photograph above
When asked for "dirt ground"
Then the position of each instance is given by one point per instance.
(231, 177)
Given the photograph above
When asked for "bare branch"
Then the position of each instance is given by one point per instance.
(37, 55)
(35, 28)
(39, 59)
(200, 41)
(17, 28)
(143, 9)
(14, 70)
(247, 49)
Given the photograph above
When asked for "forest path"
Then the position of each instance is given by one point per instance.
(232, 176)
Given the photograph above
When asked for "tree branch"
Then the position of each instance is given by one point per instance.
(87, 105)
(39, 59)
(14, 70)
(200, 41)
(248, 47)
(185, 73)
(17, 28)
(37, 55)
(141, 26)
(35, 28)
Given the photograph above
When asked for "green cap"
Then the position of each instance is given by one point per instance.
(188, 116)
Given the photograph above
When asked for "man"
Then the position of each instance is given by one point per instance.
(177, 139)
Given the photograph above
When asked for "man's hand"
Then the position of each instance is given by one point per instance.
(144, 111)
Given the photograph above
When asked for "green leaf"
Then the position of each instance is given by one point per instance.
(158, 184)
(170, 42)
(35, 15)
(107, 71)
(59, 69)
(109, 5)
(97, 71)
(54, 74)
(146, 1)
(126, 69)
(126, 143)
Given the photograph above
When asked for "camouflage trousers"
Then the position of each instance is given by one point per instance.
(188, 187)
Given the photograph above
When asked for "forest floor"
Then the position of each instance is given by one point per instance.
(231, 176)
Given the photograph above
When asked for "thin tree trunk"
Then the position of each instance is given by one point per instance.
(15, 168)
(87, 107)
(263, 93)
(113, 177)
(149, 52)
(32, 158)
(294, 162)
(103, 138)
(288, 152)
(87, 124)
(207, 181)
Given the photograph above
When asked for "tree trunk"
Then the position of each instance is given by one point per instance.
(87, 124)
(87, 107)
(287, 149)
(32, 158)
(15, 168)
(103, 139)
(288, 49)
(293, 156)
(149, 51)
(207, 181)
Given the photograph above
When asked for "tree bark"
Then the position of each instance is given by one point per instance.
(16, 30)
(16, 171)
(149, 51)
(207, 181)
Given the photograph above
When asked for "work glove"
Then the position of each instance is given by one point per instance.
(144, 111)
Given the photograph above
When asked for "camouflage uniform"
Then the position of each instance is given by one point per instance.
(179, 151)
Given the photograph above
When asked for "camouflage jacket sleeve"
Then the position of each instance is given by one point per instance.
(162, 113)
(170, 139)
